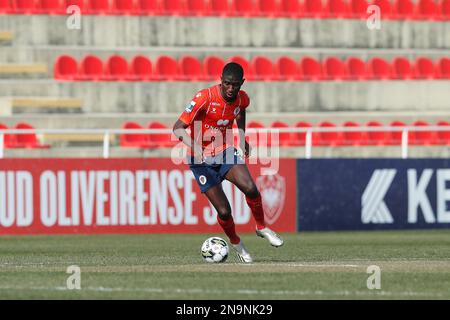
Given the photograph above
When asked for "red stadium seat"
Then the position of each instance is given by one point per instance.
(422, 137)
(405, 9)
(263, 68)
(166, 68)
(314, 9)
(401, 68)
(243, 8)
(197, 7)
(28, 140)
(310, 69)
(443, 137)
(134, 140)
(6, 6)
(262, 138)
(396, 136)
(376, 137)
(353, 138)
(66, 68)
(443, 68)
(248, 71)
(299, 138)
(141, 69)
(8, 139)
(213, 67)
(268, 8)
(291, 8)
(99, 7)
(159, 140)
(359, 8)
(379, 69)
(287, 69)
(27, 6)
(445, 9)
(428, 10)
(338, 9)
(149, 7)
(334, 68)
(91, 69)
(425, 69)
(191, 69)
(79, 3)
(173, 7)
(125, 7)
(284, 137)
(328, 138)
(117, 69)
(220, 8)
(357, 69)
(386, 8)
(52, 7)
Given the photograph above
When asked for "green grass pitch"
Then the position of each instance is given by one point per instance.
(311, 265)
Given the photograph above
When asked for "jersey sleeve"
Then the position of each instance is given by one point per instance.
(245, 100)
(198, 103)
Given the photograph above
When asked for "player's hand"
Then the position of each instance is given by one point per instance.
(247, 149)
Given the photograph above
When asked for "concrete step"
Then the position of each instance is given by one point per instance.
(220, 32)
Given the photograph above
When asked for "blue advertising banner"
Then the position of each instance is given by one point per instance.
(373, 194)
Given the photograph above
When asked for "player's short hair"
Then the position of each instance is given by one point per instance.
(233, 69)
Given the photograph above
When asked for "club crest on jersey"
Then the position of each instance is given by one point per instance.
(190, 107)
(236, 111)
(273, 194)
(202, 180)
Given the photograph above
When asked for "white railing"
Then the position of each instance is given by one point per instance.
(308, 131)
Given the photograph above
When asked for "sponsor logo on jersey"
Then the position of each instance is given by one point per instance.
(202, 180)
(190, 107)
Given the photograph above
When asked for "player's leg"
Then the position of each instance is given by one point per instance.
(220, 202)
(240, 176)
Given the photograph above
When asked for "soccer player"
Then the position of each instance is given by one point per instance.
(210, 116)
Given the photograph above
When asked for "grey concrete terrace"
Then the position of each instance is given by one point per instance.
(126, 31)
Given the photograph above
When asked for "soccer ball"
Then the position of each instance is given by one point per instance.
(215, 250)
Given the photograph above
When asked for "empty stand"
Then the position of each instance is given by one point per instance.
(166, 68)
(191, 69)
(197, 7)
(402, 69)
(8, 139)
(126, 7)
(285, 138)
(91, 69)
(443, 68)
(376, 137)
(359, 8)
(291, 8)
(338, 9)
(425, 69)
(334, 69)
(245, 8)
(213, 67)
(328, 138)
(268, 8)
(443, 137)
(28, 140)
(117, 69)
(379, 69)
(141, 69)
(356, 68)
(263, 68)
(159, 140)
(134, 140)
(310, 69)
(287, 69)
(405, 9)
(353, 138)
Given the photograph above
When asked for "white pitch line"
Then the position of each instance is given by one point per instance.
(289, 293)
(305, 265)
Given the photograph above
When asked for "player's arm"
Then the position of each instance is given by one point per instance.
(241, 123)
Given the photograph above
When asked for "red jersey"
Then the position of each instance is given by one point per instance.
(210, 118)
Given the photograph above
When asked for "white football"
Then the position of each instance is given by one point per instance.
(215, 250)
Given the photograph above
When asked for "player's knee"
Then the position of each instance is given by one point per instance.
(251, 191)
(224, 213)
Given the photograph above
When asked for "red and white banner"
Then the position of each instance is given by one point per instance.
(89, 196)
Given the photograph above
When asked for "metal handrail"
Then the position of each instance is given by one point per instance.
(308, 139)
